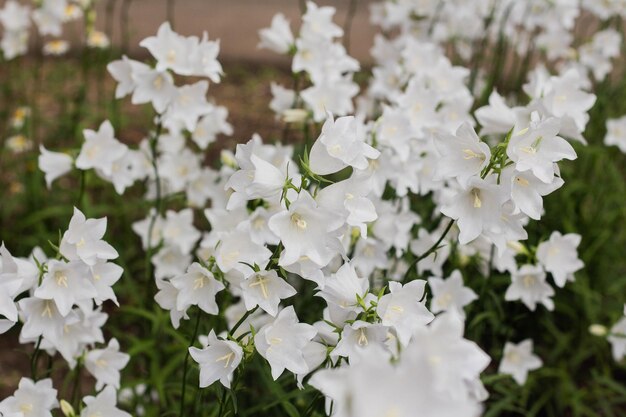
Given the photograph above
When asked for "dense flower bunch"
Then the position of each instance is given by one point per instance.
(381, 219)
(58, 303)
(49, 16)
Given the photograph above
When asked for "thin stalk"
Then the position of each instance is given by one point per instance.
(186, 366)
(241, 320)
(347, 26)
(431, 250)
(33, 359)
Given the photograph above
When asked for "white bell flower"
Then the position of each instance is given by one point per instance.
(218, 360)
(518, 359)
(282, 343)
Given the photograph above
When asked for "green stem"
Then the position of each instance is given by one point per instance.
(33, 360)
(431, 250)
(186, 366)
(241, 320)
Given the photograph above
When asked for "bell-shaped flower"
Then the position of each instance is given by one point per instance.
(10, 284)
(357, 337)
(496, 117)
(278, 36)
(122, 71)
(527, 191)
(559, 256)
(341, 292)
(340, 144)
(404, 309)
(218, 360)
(463, 155)
(197, 287)
(282, 343)
(32, 399)
(104, 275)
(171, 50)
(53, 164)
(529, 285)
(187, 106)
(105, 364)
(306, 229)
(350, 198)
(475, 207)
(83, 240)
(450, 293)
(100, 149)
(236, 249)
(265, 289)
(518, 359)
(103, 404)
(66, 284)
(153, 86)
(537, 147)
(166, 298)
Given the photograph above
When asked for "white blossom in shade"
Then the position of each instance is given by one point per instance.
(218, 360)
(475, 208)
(265, 289)
(54, 164)
(105, 364)
(278, 36)
(122, 71)
(169, 261)
(340, 144)
(177, 229)
(340, 291)
(404, 309)
(235, 248)
(559, 256)
(529, 285)
(617, 338)
(283, 341)
(103, 404)
(100, 149)
(197, 287)
(83, 240)
(538, 147)
(463, 155)
(518, 359)
(171, 50)
(166, 299)
(616, 133)
(31, 399)
(360, 336)
(305, 229)
(450, 293)
(236, 311)
(496, 117)
(66, 284)
(369, 254)
(10, 284)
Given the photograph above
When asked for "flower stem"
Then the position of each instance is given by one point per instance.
(186, 366)
(431, 250)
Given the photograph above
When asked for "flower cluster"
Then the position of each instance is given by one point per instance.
(58, 302)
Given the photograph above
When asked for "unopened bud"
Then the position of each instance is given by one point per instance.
(598, 330)
(67, 409)
(295, 115)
